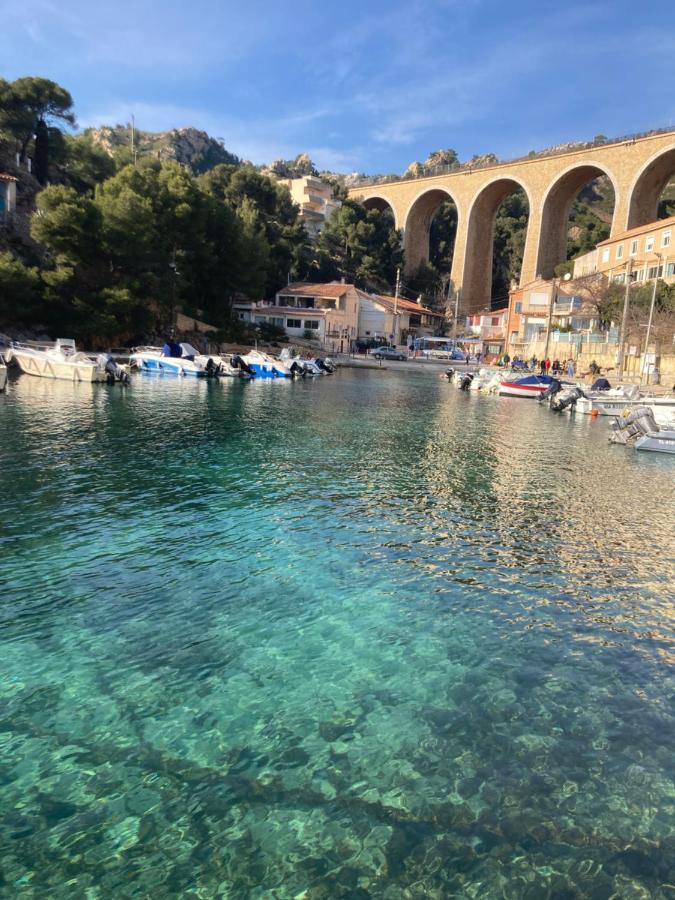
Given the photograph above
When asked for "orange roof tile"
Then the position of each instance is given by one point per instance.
(641, 229)
(402, 304)
(304, 289)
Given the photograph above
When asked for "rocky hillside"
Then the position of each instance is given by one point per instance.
(189, 146)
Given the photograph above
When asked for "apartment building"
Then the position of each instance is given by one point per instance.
(646, 252)
(316, 202)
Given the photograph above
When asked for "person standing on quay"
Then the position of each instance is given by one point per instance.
(570, 368)
(547, 364)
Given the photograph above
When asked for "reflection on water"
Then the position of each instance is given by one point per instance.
(359, 636)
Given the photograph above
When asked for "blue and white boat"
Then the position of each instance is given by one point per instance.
(152, 360)
(264, 366)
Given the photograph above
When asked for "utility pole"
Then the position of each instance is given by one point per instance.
(624, 320)
(396, 292)
(454, 321)
(651, 311)
(554, 296)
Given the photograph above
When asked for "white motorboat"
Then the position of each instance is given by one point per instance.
(3, 375)
(624, 397)
(299, 365)
(262, 365)
(640, 427)
(58, 360)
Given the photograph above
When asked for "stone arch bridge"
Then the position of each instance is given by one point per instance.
(638, 168)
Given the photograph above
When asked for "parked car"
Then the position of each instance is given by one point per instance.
(388, 353)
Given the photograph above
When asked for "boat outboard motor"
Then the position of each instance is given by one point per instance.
(321, 363)
(297, 370)
(551, 390)
(563, 399)
(465, 382)
(115, 372)
(212, 369)
(244, 367)
(638, 423)
(601, 384)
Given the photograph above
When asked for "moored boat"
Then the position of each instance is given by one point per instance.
(153, 361)
(58, 360)
(3, 374)
(641, 428)
(624, 397)
(527, 386)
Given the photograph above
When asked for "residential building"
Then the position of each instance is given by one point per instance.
(396, 320)
(648, 252)
(530, 305)
(316, 202)
(338, 314)
(327, 312)
(490, 327)
(7, 196)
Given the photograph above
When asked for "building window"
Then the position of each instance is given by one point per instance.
(519, 307)
(605, 255)
(495, 320)
(649, 244)
(655, 272)
(619, 251)
(619, 279)
(670, 270)
(293, 323)
(633, 248)
(312, 324)
(665, 239)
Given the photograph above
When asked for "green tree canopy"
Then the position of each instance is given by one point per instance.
(360, 245)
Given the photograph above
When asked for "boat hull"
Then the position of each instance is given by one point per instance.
(662, 407)
(512, 389)
(657, 441)
(43, 366)
(3, 377)
(167, 365)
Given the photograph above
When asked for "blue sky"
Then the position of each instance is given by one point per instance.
(366, 86)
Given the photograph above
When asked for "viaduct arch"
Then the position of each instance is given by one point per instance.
(638, 168)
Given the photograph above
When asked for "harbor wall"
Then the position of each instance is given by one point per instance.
(604, 354)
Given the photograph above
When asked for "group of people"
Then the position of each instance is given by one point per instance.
(546, 367)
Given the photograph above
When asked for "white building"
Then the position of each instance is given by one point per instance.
(337, 313)
(490, 327)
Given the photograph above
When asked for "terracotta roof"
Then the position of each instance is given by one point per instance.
(303, 289)
(402, 304)
(641, 229)
(4, 177)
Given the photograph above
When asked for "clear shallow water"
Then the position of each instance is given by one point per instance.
(362, 636)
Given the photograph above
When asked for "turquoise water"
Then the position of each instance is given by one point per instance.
(360, 636)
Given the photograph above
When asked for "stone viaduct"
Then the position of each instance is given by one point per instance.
(638, 168)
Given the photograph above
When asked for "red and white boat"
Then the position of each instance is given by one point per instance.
(527, 386)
